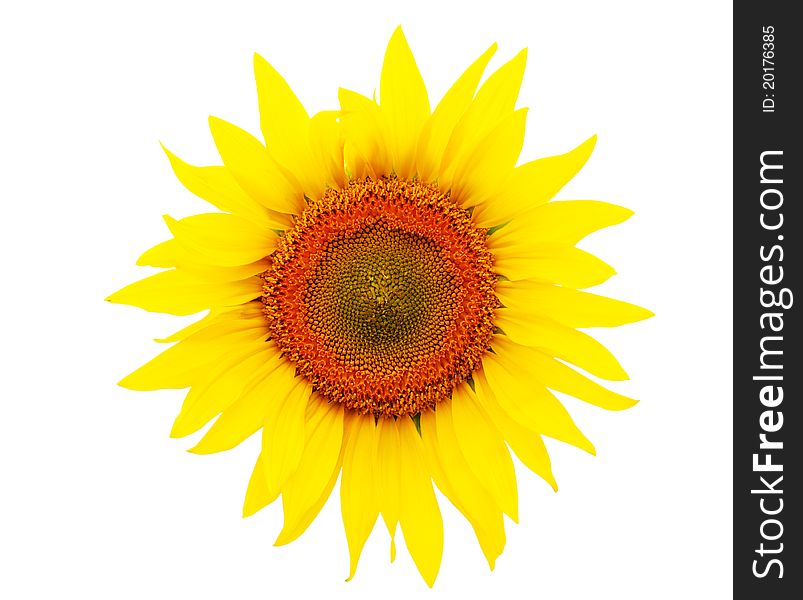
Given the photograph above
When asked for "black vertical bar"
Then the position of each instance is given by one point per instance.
(768, 226)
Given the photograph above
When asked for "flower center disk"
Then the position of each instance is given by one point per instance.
(382, 295)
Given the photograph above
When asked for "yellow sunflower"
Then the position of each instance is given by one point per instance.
(389, 297)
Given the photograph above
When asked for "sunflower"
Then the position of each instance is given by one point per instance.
(391, 298)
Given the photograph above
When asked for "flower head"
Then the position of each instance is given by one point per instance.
(389, 297)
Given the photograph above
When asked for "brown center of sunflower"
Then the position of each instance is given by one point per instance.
(382, 295)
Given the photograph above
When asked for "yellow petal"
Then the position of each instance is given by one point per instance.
(387, 469)
(565, 222)
(217, 186)
(211, 317)
(282, 117)
(166, 255)
(439, 127)
(455, 479)
(254, 169)
(485, 170)
(224, 321)
(187, 362)
(568, 307)
(245, 416)
(202, 344)
(495, 100)
(563, 342)
(171, 253)
(419, 516)
(365, 132)
(527, 445)
(358, 502)
(281, 114)
(214, 273)
(559, 377)
(483, 447)
(286, 126)
(179, 293)
(497, 96)
(307, 490)
(533, 184)
(292, 531)
(283, 432)
(551, 263)
(257, 496)
(224, 240)
(221, 387)
(326, 140)
(403, 98)
(517, 392)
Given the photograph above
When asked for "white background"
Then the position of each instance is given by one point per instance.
(98, 502)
